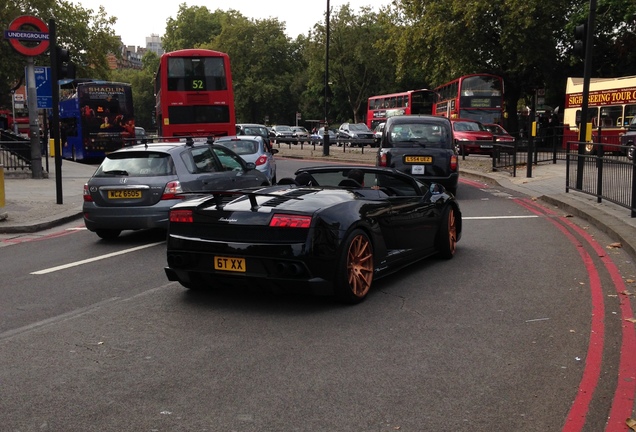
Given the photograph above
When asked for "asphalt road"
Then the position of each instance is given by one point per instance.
(522, 330)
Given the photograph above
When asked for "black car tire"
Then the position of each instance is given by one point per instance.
(630, 151)
(447, 235)
(108, 234)
(355, 269)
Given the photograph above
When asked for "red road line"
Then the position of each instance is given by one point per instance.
(623, 401)
(575, 420)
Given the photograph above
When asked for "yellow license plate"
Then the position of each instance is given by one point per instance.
(229, 264)
(121, 194)
(418, 159)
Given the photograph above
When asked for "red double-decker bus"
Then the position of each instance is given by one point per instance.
(194, 94)
(382, 107)
(611, 109)
(477, 97)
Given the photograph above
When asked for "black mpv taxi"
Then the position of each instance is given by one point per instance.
(422, 146)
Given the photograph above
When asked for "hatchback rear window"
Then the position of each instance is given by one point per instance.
(419, 134)
(241, 147)
(136, 164)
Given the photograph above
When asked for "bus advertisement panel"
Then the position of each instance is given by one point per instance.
(194, 96)
(611, 107)
(476, 97)
(96, 118)
(382, 107)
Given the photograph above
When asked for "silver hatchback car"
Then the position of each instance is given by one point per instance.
(253, 149)
(134, 187)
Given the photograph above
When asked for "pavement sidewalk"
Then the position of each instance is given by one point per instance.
(32, 205)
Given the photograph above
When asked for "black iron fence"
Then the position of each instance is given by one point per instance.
(607, 175)
(15, 151)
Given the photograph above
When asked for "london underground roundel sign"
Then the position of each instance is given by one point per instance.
(31, 29)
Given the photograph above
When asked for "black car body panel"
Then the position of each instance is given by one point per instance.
(403, 226)
(421, 146)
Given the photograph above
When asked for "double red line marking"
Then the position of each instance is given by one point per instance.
(623, 400)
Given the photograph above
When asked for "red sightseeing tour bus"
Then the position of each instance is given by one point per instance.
(382, 107)
(477, 97)
(194, 94)
(611, 108)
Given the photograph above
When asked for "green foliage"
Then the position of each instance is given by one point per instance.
(408, 44)
(142, 82)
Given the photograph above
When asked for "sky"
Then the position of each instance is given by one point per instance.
(137, 19)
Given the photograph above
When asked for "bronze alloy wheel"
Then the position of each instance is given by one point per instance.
(447, 235)
(452, 231)
(360, 265)
(356, 268)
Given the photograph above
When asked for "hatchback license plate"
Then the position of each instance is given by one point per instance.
(122, 194)
(418, 159)
(229, 264)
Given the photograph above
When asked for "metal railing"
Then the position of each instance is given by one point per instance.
(604, 175)
(15, 151)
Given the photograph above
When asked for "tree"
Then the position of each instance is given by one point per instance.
(142, 83)
(193, 27)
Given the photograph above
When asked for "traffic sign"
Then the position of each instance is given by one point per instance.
(42, 86)
(28, 28)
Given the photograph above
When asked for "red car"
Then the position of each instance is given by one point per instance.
(472, 137)
(501, 135)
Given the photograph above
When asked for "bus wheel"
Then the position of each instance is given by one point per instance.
(589, 148)
(630, 151)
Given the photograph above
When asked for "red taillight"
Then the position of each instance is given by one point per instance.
(453, 162)
(87, 194)
(181, 216)
(382, 161)
(262, 160)
(172, 191)
(290, 221)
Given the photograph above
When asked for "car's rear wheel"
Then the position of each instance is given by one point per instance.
(108, 234)
(447, 234)
(355, 271)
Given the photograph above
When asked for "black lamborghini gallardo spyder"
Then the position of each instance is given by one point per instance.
(328, 231)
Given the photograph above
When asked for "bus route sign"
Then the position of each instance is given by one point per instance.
(30, 29)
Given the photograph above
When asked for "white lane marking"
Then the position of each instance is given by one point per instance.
(500, 217)
(97, 258)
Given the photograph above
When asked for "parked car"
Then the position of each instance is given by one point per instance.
(134, 187)
(377, 133)
(253, 129)
(421, 146)
(629, 139)
(499, 133)
(327, 237)
(320, 136)
(472, 137)
(140, 134)
(300, 134)
(281, 132)
(253, 148)
(355, 133)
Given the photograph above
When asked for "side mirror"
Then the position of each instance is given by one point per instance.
(250, 166)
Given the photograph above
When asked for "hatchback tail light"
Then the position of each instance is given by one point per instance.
(87, 194)
(172, 191)
(290, 221)
(262, 160)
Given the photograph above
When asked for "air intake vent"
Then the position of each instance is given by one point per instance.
(293, 194)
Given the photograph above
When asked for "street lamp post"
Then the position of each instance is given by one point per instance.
(325, 139)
